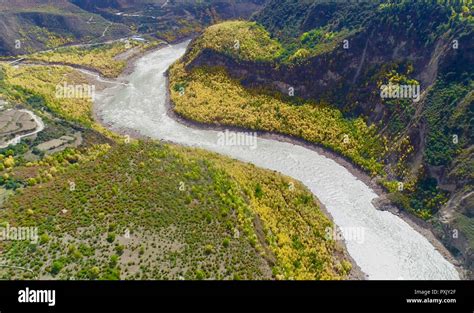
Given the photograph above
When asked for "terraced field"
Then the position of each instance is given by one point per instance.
(15, 124)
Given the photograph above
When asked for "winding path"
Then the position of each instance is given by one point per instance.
(39, 127)
(390, 249)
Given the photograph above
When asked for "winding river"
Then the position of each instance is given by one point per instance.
(390, 248)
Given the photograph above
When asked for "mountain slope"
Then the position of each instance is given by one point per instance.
(29, 26)
(146, 211)
(171, 20)
(344, 56)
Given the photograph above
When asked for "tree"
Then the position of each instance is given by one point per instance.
(56, 267)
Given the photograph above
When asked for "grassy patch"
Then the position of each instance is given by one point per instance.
(101, 58)
(466, 225)
(239, 39)
(43, 80)
(37, 86)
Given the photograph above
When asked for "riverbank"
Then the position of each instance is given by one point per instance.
(147, 120)
(356, 272)
(380, 203)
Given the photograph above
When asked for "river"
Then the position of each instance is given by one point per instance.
(389, 247)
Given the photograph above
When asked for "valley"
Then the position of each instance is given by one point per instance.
(226, 203)
(325, 83)
(247, 139)
(379, 255)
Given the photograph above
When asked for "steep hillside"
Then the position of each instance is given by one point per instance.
(171, 20)
(349, 58)
(28, 26)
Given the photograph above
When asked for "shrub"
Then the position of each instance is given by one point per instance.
(9, 162)
(56, 267)
(208, 249)
(94, 272)
(119, 249)
(200, 275)
(111, 237)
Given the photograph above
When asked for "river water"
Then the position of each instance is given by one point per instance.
(385, 246)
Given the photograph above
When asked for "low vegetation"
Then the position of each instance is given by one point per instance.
(43, 80)
(210, 96)
(102, 58)
(37, 85)
(249, 41)
(240, 39)
(148, 211)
